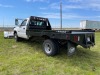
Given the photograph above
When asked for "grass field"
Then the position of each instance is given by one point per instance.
(27, 58)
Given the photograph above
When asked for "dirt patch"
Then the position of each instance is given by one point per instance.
(14, 46)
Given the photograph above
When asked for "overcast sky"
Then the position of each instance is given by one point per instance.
(73, 11)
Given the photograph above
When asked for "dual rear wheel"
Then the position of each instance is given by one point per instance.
(51, 48)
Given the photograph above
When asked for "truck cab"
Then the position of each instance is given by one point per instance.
(32, 23)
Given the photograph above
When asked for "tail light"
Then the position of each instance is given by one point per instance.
(76, 38)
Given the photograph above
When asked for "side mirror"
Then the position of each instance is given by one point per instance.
(16, 22)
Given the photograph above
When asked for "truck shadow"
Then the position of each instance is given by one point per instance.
(83, 58)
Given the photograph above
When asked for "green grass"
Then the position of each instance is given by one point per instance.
(27, 58)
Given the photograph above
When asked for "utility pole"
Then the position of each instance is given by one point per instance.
(61, 14)
(3, 23)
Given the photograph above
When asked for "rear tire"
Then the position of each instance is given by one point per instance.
(17, 39)
(50, 47)
(71, 49)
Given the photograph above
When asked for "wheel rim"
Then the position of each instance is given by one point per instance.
(72, 50)
(15, 36)
(48, 48)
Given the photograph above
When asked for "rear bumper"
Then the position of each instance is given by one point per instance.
(85, 39)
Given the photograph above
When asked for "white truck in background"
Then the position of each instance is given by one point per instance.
(87, 24)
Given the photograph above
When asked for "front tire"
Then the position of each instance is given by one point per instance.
(17, 39)
(50, 47)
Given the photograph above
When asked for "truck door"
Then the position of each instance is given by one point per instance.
(22, 30)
